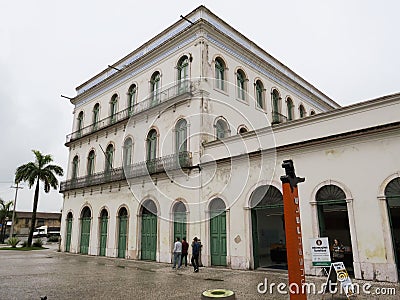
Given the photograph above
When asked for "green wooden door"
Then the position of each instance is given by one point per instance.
(68, 237)
(179, 225)
(103, 236)
(85, 235)
(254, 226)
(123, 221)
(218, 239)
(149, 236)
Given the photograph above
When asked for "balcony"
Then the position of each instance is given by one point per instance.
(153, 100)
(181, 160)
(278, 118)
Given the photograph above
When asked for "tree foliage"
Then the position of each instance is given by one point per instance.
(35, 172)
(5, 212)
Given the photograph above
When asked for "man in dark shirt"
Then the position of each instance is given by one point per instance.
(195, 254)
(185, 247)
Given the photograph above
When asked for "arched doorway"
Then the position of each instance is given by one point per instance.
(68, 233)
(86, 217)
(149, 230)
(218, 232)
(179, 220)
(268, 228)
(333, 219)
(103, 232)
(122, 229)
(392, 194)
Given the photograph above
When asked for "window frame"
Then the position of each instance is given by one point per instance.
(220, 73)
(113, 108)
(91, 163)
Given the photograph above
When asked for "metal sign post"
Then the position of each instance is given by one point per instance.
(294, 244)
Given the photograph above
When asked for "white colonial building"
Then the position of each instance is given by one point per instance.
(185, 137)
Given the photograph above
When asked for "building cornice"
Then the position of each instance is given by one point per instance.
(195, 17)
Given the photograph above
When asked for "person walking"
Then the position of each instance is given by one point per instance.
(177, 253)
(185, 248)
(195, 254)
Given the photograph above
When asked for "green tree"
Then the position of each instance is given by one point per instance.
(35, 172)
(5, 212)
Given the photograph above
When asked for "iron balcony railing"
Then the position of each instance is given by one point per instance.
(278, 118)
(154, 99)
(162, 164)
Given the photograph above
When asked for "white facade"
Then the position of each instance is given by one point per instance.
(198, 128)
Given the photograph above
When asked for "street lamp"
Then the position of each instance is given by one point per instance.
(14, 207)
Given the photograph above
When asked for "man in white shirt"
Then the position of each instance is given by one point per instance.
(177, 253)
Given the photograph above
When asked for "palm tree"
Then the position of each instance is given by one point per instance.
(5, 212)
(37, 171)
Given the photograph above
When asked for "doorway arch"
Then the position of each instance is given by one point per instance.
(180, 222)
(218, 232)
(392, 195)
(103, 232)
(333, 219)
(68, 233)
(149, 230)
(122, 230)
(268, 227)
(86, 217)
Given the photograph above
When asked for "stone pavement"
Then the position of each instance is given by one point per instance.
(30, 275)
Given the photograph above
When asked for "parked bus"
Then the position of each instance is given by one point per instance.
(45, 231)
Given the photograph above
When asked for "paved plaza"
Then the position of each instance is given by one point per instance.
(34, 274)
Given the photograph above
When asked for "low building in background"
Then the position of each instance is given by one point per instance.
(23, 221)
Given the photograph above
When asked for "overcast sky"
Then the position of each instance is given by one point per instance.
(347, 49)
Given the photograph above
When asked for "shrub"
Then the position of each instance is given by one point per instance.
(13, 241)
(53, 238)
(37, 243)
(25, 244)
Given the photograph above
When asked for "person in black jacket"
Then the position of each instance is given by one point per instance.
(195, 254)
(185, 247)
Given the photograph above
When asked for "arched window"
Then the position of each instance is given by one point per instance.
(260, 94)
(96, 112)
(240, 82)
(276, 117)
(80, 123)
(75, 161)
(290, 109)
(181, 136)
(154, 88)
(90, 163)
(113, 108)
(302, 111)
(219, 74)
(128, 152)
(222, 129)
(152, 144)
(183, 73)
(131, 98)
(109, 158)
(242, 129)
